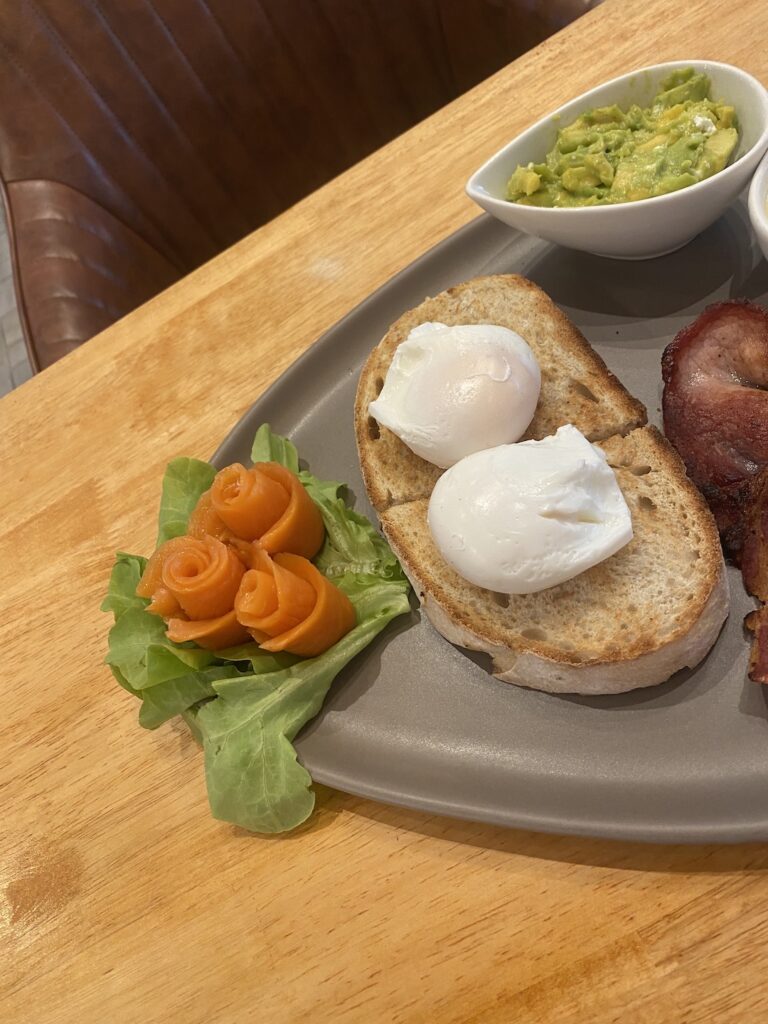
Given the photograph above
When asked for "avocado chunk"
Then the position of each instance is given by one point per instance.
(717, 150)
(607, 155)
(580, 181)
(683, 86)
(524, 182)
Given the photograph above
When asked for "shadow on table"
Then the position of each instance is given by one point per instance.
(324, 815)
(603, 853)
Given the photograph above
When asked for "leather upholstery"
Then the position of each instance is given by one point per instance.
(191, 122)
(78, 269)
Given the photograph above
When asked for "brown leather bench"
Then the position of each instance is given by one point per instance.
(139, 139)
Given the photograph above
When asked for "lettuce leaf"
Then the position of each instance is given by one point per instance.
(183, 483)
(138, 646)
(269, 447)
(244, 705)
(252, 773)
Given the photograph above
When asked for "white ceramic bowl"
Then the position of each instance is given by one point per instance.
(647, 227)
(758, 204)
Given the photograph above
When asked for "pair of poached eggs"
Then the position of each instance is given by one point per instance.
(512, 516)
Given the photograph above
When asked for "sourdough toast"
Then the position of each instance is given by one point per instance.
(576, 385)
(654, 607)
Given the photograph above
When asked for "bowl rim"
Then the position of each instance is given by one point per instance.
(758, 196)
(475, 193)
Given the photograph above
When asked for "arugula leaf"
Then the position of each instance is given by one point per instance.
(269, 447)
(261, 661)
(190, 717)
(172, 697)
(252, 774)
(125, 576)
(140, 654)
(245, 705)
(145, 656)
(123, 681)
(184, 481)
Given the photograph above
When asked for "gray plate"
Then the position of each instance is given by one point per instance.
(418, 722)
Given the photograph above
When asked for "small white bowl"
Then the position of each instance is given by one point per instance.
(646, 227)
(758, 204)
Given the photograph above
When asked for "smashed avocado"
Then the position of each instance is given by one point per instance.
(608, 155)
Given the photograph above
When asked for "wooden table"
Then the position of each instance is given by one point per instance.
(121, 900)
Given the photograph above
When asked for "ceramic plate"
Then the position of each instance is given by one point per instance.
(418, 722)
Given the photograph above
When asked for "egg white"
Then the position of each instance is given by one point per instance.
(451, 391)
(520, 518)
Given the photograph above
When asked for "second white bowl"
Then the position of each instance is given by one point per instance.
(647, 227)
(758, 204)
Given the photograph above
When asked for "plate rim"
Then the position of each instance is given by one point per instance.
(645, 830)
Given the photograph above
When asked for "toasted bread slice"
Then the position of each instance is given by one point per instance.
(576, 385)
(633, 620)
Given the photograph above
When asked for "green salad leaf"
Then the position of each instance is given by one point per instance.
(243, 704)
(183, 483)
(269, 447)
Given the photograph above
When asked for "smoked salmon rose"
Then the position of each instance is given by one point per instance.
(244, 517)
(267, 503)
(205, 521)
(288, 605)
(192, 584)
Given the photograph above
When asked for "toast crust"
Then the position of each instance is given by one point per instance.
(529, 669)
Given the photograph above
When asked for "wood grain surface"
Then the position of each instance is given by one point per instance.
(121, 900)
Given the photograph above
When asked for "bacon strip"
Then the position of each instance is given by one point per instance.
(715, 407)
(754, 551)
(757, 623)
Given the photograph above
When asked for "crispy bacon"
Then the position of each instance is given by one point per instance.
(757, 623)
(754, 572)
(754, 551)
(716, 409)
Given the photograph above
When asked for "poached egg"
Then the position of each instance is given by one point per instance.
(451, 391)
(519, 518)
